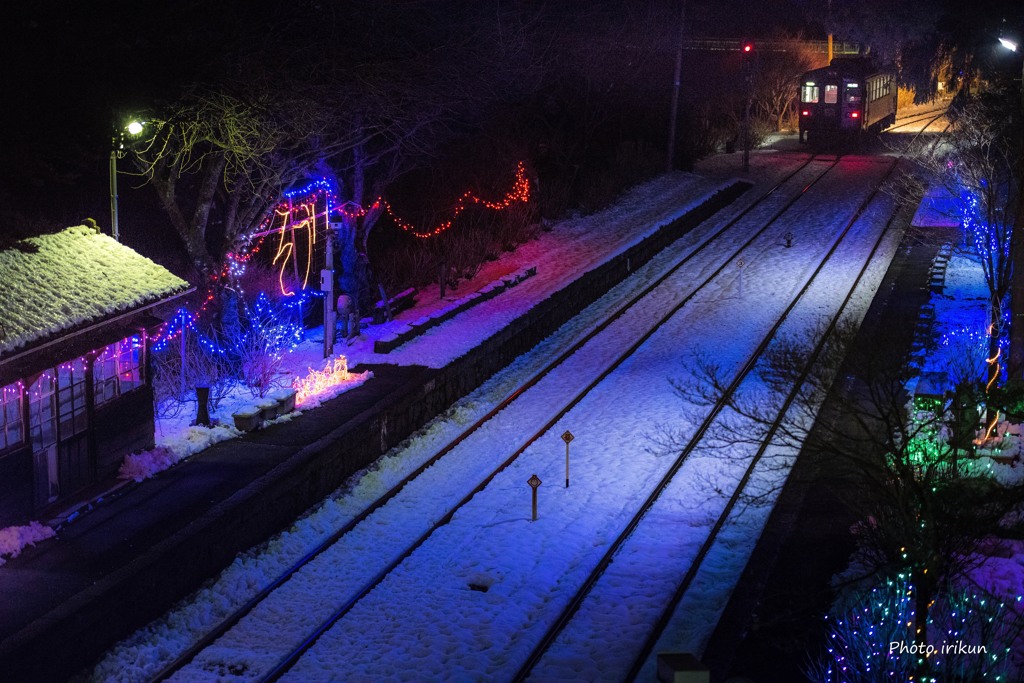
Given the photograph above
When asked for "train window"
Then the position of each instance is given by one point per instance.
(831, 94)
(809, 93)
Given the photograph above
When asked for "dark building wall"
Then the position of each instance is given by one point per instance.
(121, 427)
(16, 486)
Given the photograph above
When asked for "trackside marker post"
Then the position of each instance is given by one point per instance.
(567, 437)
(534, 481)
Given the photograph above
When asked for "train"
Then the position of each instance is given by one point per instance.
(846, 100)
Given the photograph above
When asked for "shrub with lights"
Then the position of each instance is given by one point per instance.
(871, 637)
(193, 359)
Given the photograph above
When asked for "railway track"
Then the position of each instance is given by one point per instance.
(560, 624)
(929, 116)
(236, 616)
(643, 656)
(285, 665)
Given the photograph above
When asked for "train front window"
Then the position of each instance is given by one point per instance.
(853, 95)
(809, 93)
(831, 94)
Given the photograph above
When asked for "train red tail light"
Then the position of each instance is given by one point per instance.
(805, 112)
(854, 114)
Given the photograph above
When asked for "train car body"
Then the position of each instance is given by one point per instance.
(845, 100)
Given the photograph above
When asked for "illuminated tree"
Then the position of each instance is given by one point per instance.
(220, 157)
(975, 161)
(778, 77)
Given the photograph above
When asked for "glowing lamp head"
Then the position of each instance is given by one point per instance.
(134, 127)
(1010, 45)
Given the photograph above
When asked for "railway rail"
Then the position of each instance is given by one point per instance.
(930, 116)
(236, 616)
(559, 625)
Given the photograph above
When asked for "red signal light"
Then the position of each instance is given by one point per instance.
(748, 47)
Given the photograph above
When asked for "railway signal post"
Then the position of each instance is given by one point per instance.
(534, 481)
(748, 78)
(567, 437)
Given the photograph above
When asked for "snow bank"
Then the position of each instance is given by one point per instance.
(14, 539)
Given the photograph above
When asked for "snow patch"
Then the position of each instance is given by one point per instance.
(14, 539)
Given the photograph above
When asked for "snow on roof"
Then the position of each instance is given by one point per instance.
(58, 282)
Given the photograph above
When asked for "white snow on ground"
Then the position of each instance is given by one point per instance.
(426, 617)
(448, 629)
(14, 539)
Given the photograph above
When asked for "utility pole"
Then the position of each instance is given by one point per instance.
(327, 286)
(828, 20)
(114, 232)
(1015, 366)
(747, 50)
(676, 82)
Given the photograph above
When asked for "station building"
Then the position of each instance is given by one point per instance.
(76, 315)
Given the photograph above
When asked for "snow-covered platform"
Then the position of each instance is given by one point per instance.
(127, 561)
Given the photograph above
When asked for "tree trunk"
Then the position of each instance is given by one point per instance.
(994, 365)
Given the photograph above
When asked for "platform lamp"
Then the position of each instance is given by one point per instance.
(118, 147)
(1016, 236)
(1013, 46)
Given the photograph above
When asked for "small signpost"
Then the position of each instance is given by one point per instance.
(534, 481)
(567, 437)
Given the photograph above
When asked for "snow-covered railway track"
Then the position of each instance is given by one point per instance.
(236, 616)
(407, 612)
(601, 662)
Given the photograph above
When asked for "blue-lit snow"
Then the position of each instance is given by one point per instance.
(424, 622)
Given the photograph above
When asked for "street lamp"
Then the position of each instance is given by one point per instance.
(118, 149)
(1017, 241)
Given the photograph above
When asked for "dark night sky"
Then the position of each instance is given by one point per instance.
(70, 67)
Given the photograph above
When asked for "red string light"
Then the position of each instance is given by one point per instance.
(520, 193)
(303, 216)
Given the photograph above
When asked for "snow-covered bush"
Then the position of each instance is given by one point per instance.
(267, 334)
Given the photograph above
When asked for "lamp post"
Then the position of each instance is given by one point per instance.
(1016, 362)
(117, 149)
